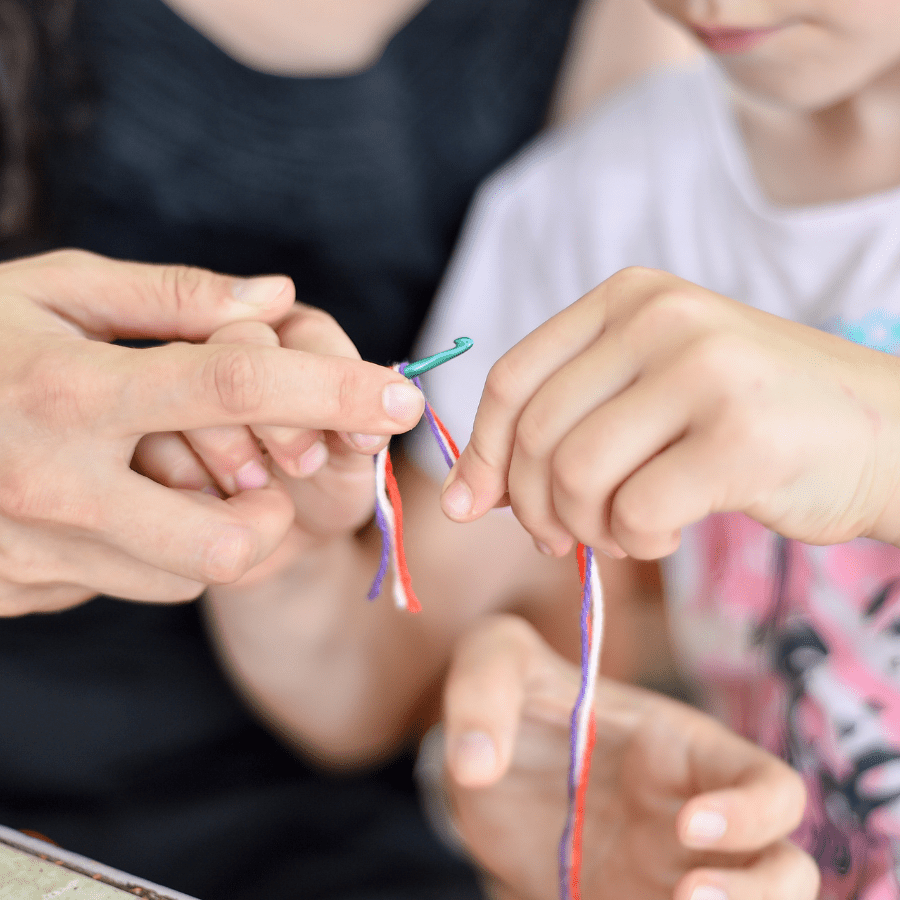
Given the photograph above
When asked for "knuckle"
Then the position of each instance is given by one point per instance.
(667, 311)
(223, 449)
(57, 394)
(227, 554)
(503, 384)
(17, 499)
(70, 258)
(37, 501)
(574, 473)
(342, 394)
(310, 320)
(532, 437)
(181, 286)
(633, 516)
(715, 354)
(26, 565)
(632, 277)
(238, 378)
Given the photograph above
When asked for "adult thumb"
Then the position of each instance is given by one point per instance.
(110, 298)
(484, 696)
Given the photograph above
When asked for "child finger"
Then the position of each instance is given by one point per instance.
(688, 480)
(781, 872)
(570, 395)
(168, 459)
(477, 481)
(765, 806)
(315, 331)
(605, 449)
(232, 456)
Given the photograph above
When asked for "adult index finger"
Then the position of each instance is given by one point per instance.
(182, 386)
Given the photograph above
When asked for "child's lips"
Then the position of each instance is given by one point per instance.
(723, 40)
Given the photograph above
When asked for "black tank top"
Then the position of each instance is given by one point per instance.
(120, 738)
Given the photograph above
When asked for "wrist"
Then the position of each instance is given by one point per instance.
(883, 483)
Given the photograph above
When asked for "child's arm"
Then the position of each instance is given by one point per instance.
(675, 800)
(651, 402)
(341, 677)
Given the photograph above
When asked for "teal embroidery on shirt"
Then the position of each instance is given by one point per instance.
(878, 329)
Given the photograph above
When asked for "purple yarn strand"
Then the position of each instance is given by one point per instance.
(380, 520)
(564, 856)
(432, 424)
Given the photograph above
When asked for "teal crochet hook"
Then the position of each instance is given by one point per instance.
(414, 369)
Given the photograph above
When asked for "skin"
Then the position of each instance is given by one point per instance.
(291, 628)
(818, 99)
(659, 770)
(316, 662)
(697, 404)
(74, 408)
(715, 406)
(310, 38)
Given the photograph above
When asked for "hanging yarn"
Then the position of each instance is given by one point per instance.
(389, 511)
(583, 729)
(389, 518)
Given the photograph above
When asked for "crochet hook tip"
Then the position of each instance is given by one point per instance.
(414, 369)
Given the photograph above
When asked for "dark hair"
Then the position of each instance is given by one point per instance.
(37, 83)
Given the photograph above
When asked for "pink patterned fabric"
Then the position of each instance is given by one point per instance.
(798, 649)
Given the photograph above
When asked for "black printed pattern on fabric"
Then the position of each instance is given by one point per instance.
(120, 737)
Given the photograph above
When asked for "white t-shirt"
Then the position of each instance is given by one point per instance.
(797, 647)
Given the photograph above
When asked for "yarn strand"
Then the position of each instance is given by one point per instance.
(389, 518)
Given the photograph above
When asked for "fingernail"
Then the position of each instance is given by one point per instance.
(704, 828)
(262, 291)
(544, 548)
(708, 892)
(402, 401)
(475, 758)
(310, 461)
(365, 441)
(457, 500)
(213, 491)
(251, 476)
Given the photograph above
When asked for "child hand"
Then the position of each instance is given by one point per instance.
(652, 402)
(676, 803)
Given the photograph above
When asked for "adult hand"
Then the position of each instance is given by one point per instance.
(75, 519)
(328, 474)
(300, 643)
(651, 403)
(678, 807)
